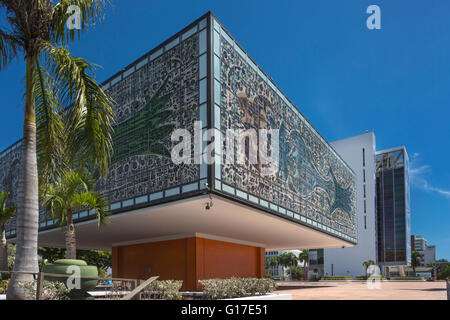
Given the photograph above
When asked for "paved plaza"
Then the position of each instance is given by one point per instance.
(395, 290)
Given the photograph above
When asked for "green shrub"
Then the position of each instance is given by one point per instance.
(51, 290)
(407, 278)
(296, 272)
(164, 290)
(445, 273)
(268, 276)
(235, 287)
(4, 286)
(337, 278)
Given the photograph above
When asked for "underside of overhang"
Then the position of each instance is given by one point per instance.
(226, 219)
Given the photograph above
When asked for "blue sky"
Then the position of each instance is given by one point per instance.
(345, 78)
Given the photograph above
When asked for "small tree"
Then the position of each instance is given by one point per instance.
(287, 259)
(296, 272)
(367, 264)
(73, 191)
(6, 214)
(416, 260)
(304, 257)
(445, 273)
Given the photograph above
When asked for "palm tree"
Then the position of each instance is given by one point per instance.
(367, 264)
(64, 107)
(273, 262)
(416, 260)
(72, 191)
(6, 213)
(287, 259)
(304, 257)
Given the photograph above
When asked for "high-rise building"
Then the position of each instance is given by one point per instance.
(359, 153)
(428, 252)
(393, 210)
(419, 244)
(429, 255)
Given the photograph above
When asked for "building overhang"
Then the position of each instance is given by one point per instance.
(227, 220)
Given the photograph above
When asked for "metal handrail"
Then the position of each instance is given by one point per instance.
(60, 275)
(40, 277)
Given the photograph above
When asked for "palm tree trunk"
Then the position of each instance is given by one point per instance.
(71, 241)
(3, 251)
(26, 259)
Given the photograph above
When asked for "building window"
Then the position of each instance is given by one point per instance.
(365, 206)
(364, 175)
(364, 191)
(365, 222)
(364, 157)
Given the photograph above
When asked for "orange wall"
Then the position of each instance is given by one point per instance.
(218, 259)
(189, 260)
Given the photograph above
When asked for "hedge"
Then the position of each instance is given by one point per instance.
(164, 290)
(337, 278)
(407, 278)
(236, 287)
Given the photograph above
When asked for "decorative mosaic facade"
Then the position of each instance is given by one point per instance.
(312, 183)
(141, 161)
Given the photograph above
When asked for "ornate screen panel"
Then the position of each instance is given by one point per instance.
(313, 184)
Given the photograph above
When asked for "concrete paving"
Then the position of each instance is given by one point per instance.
(360, 291)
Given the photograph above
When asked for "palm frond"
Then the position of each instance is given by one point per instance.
(50, 127)
(54, 203)
(96, 202)
(91, 11)
(9, 47)
(88, 115)
(6, 213)
(72, 191)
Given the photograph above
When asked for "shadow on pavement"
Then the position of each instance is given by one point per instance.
(432, 289)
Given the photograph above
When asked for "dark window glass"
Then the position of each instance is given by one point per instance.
(364, 157)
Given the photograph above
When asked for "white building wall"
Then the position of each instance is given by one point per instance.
(348, 261)
(429, 255)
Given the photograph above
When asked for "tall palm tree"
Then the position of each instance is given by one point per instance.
(416, 260)
(72, 191)
(304, 257)
(367, 264)
(6, 214)
(62, 100)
